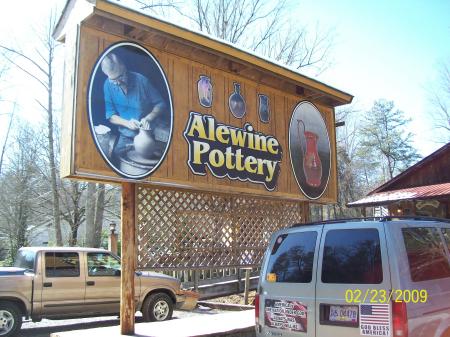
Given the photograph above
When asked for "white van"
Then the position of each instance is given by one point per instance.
(377, 277)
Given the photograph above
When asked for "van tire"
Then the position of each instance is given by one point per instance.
(10, 319)
(157, 307)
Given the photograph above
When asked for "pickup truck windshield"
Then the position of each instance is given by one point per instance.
(25, 259)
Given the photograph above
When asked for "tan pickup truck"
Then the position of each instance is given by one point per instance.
(49, 282)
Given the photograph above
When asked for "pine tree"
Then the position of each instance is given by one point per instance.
(386, 138)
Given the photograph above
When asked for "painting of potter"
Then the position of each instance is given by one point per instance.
(130, 110)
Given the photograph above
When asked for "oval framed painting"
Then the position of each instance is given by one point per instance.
(309, 149)
(130, 110)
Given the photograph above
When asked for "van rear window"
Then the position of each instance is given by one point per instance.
(352, 256)
(292, 256)
(426, 254)
(446, 233)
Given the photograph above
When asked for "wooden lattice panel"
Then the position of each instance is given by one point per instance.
(178, 229)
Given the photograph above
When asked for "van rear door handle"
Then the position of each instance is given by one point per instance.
(90, 283)
(47, 284)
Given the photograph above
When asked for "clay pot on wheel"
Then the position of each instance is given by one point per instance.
(144, 143)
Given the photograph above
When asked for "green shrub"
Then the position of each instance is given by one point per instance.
(6, 263)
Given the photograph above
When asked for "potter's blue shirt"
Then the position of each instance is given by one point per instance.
(140, 99)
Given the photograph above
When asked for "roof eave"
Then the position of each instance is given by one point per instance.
(73, 13)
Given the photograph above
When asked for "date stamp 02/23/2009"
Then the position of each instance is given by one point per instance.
(356, 296)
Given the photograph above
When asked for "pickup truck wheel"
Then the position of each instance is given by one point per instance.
(10, 319)
(157, 307)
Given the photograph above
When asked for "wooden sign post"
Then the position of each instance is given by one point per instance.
(128, 249)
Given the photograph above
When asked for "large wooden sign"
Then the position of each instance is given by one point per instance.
(154, 103)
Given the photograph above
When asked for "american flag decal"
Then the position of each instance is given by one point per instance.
(374, 319)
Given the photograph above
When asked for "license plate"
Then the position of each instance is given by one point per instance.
(341, 313)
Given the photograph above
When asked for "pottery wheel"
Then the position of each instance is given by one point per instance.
(137, 158)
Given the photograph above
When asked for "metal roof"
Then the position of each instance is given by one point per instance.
(428, 160)
(420, 192)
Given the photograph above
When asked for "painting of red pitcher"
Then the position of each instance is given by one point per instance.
(312, 166)
(309, 149)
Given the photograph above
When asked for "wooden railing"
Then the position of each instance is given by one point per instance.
(215, 282)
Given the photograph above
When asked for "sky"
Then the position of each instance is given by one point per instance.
(387, 49)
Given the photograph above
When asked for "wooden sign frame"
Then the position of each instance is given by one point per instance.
(187, 57)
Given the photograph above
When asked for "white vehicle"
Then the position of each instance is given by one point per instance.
(378, 277)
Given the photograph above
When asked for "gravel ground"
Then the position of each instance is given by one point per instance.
(235, 299)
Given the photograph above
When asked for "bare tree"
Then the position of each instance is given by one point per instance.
(100, 204)
(90, 215)
(158, 6)
(95, 205)
(3, 70)
(351, 161)
(73, 210)
(18, 204)
(8, 130)
(441, 103)
(259, 25)
(40, 68)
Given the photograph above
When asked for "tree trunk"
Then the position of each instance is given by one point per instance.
(90, 215)
(73, 240)
(7, 136)
(51, 151)
(99, 211)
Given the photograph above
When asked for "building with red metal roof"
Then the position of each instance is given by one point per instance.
(422, 189)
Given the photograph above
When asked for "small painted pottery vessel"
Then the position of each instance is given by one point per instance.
(264, 110)
(236, 102)
(205, 91)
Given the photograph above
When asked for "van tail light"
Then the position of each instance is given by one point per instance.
(257, 309)
(399, 319)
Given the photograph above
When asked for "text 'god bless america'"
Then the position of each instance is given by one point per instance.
(242, 154)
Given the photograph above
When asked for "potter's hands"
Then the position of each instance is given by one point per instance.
(145, 124)
(133, 124)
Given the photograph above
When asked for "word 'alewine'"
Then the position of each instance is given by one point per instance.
(242, 154)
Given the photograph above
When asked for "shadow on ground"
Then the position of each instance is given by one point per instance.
(47, 330)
